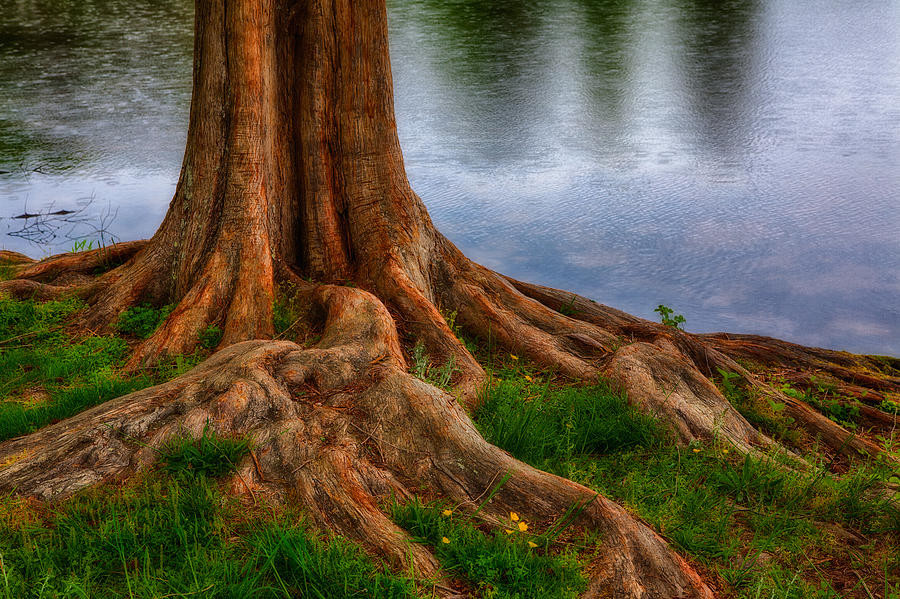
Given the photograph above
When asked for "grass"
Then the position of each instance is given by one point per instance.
(500, 563)
(760, 529)
(210, 455)
(547, 429)
(756, 529)
(47, 374)
(141, 321)
(422, 368)
(167, 535)
(761, 412)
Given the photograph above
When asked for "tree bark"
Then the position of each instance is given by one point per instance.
(293, 173)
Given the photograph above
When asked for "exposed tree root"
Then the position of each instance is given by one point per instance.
(665, 371)
(702, 356)
(339, 427)
(62, 274)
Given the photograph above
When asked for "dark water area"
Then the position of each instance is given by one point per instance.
(737, 161)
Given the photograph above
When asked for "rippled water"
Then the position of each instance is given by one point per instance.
(738, 161)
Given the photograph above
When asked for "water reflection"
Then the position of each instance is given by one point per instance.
(738, 160)
(720, 66)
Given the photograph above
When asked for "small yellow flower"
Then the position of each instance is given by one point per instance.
(696, 450)
(514, 516)
(514, 356)
(724, 451)
(532, 544)
(508, 531)
(445, 540)
(447, 512)
(529, 379)
(523, 527)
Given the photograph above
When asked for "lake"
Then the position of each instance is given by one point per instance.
(737, 161)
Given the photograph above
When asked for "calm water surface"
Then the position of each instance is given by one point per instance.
(738, 161)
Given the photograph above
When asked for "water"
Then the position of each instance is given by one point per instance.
(738, 161)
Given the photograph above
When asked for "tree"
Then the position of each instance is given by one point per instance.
(293, 174)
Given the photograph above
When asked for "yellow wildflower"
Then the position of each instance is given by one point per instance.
(532, 544)
(529, 379)
(508, 531)
(514, 516)
(447, 512)
(523, 527)
(445, 540)
(724, 451)
(696, 450)
(514, 356)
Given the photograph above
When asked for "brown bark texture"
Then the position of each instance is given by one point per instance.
(293, 174)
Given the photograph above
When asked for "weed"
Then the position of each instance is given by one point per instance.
(668, 317)
(439, 376)
(840, 409)
(142, 321)
(889, 406)
(210, 337)
(568, 309)
(83, 245)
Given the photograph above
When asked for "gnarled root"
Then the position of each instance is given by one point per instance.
(339, 427)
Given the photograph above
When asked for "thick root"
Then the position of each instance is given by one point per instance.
(91, 262)
(62, 274)
(339, 428)
(663, 382)
(669, 373)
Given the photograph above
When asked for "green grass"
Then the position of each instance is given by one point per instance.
(209, 455)
(421, 368)
(501, 563)
(142, 321)
(46, 375)
(176, 537)
(765, 414)
(548, 428)
(762, 529)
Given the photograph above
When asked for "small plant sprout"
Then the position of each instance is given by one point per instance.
(83, 245)
(668, 317)
(568, 309)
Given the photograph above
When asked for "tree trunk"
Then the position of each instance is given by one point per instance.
(293, 173)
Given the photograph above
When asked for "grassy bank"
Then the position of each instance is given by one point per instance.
(755, 528)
